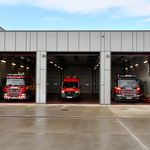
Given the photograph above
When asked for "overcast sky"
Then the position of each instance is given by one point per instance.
(75, 14)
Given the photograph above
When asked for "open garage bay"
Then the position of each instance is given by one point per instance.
(84, 66)
(130, 78)
(17, 77)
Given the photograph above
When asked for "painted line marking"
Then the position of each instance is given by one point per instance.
(133, 135)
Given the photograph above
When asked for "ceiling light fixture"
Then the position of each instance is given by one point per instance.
(131, 66)
(13, 64)
(3, 61)
(145, 62)
(21, 66)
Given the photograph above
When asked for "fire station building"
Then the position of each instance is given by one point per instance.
(96, 57)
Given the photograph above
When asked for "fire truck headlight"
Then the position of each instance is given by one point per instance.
(62, 91)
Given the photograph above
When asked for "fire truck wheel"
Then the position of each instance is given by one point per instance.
(115, 98)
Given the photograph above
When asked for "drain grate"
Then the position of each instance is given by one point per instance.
(64, 108)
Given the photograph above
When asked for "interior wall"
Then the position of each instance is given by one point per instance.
(85, 75)
(89, 80)
(143, 74)
(115, 71)
(96, 81)
(53, 80)
(7, 68)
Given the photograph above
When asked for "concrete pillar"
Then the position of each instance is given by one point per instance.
(41, 69)
(105, 78)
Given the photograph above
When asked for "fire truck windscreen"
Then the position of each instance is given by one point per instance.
(15, 82)
(70, 85)
(128, 83)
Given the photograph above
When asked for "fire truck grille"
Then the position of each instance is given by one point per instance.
(14, 92)
(128, 92)
(69, 93)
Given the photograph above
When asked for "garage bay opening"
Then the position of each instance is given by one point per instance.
(73, 78)
(130, 78)
(17, 77)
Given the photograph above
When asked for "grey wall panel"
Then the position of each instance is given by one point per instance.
(116, 41)
(28, 41)
(73, 41)
(38, 61)
(107, 41)
(2, 38)
(10, 41)
(134, 42)
(51, 41)
(20, 41)
(62, 41)
(107, 61)
(102, 78)
(147, 41)
(107, 87)
(84, 41)
(42, 59)
(43, 86)
(127, 41)
(41, 41)
(95, 41)
(102, 67)
(33, 41)
(140, 42)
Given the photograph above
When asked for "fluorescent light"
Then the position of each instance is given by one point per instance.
(27, 68)
(136, 65)
(51, 62)
(58, 67)
(95, 68)
(13, 64)
(55, 65)
(21, 66)
(61, 68)
(126, 60)
(22, 57)
(145, 62)
(126, 68)
(3, 61)
(131, 66)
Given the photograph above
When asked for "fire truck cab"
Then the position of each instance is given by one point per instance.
(17, 86)
(70, 88)
(126, 88)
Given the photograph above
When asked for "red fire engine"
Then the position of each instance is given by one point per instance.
(17, 86)
(126, 87)
(70, 88)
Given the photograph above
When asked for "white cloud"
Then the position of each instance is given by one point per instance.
(132, 8)
(147, 20)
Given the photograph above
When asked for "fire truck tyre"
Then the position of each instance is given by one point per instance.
(30, 96)
(115, 98)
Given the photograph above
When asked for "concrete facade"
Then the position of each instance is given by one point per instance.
(103, 42)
